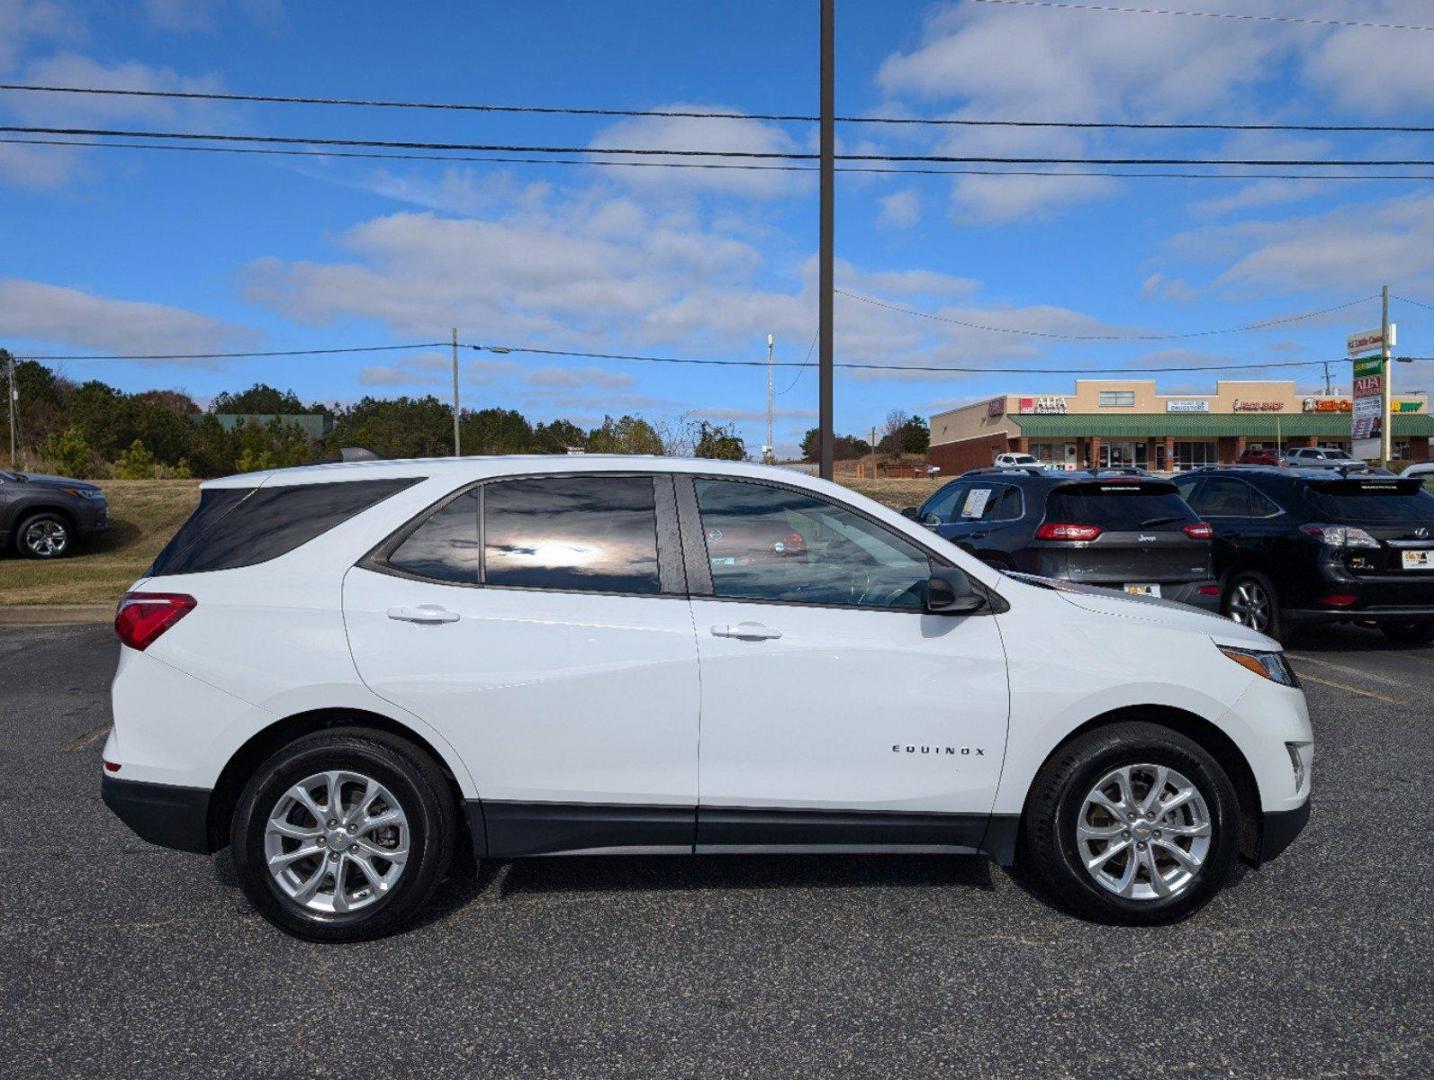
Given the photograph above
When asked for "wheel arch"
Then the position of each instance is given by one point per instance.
(266, 742)
(23, 514)
(1209, 738)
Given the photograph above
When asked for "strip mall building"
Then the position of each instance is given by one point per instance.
(1108, 422)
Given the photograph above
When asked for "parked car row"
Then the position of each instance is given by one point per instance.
(1274, 548)
(43, 517)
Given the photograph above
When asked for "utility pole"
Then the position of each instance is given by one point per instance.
(457, 449)
(771, 402)
(1327, 391)
(14, 398)
(1386, 442)
(827, 439)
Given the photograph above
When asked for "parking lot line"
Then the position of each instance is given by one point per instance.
(1352, 689)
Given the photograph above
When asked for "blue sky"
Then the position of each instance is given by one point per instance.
(105, 251)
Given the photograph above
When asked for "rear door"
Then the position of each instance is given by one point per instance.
(1142, 540)
(541, 624)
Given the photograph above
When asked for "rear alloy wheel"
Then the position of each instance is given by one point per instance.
(1411, 632)
(44, 536)
(343, 835)
(1251, 602)
(1132, 823)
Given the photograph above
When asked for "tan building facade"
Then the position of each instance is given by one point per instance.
(1107, 422)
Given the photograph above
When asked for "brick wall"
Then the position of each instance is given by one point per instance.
(955, 458)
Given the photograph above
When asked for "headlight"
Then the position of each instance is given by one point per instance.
(1267, 665)
(84, 493)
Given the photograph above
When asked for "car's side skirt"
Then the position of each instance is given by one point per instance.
(506, 830)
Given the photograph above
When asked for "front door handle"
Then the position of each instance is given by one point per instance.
(747, 631)
(427, 614)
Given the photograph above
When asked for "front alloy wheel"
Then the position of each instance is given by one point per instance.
(44, 537)
(1250, 605)
(1144, 832)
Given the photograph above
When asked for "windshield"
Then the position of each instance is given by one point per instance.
(1121, 507)
(1382, 501)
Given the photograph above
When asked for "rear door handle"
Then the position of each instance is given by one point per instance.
(428, 614)
(747, 631)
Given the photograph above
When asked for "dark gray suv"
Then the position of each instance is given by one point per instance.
(43, 516)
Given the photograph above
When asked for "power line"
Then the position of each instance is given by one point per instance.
(238, 355)
(403, 144)
(1416, 303)
(534, 350)
(895, 171)
(568, 110)
(1101, 337)
(1244, 16)
(805, 363)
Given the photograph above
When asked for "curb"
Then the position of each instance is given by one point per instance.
(55, 614)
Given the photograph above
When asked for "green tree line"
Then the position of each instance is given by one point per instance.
(91, 429)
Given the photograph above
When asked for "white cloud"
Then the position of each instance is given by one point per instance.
(75, 319)
(574, 378)
(696, 133)
(900, 209)
(182, 16)
(1374, 72)
(24, 22)
(1160, 287)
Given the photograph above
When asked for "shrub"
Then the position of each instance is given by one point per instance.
(136, 463)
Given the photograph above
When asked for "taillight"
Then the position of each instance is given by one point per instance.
(1209, 590)
(1340, 536)
(1053, 530)
(1199, 531)
(142, 616)
(1339, 600)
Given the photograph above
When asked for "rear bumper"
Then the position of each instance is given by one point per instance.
(1360, 614)
(1279, 829)
(1190, 594)
(163, 814)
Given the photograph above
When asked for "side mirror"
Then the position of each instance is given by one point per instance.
(949, 592)
(909, 511)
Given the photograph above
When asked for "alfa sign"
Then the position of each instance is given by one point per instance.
(1367, 417)
(1044, 405)
(1370, 341)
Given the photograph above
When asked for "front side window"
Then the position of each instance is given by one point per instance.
(769, 543)
(583, 533)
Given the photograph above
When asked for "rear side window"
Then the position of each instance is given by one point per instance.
(1387, 502)
(236, 527)
(1219, 497)
(586, 533)
(1120, 507)
(943, 503)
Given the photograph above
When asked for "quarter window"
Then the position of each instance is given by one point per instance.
(585, 533)
(445, 547)
(769, 543)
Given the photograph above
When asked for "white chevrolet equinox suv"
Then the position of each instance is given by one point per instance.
(345, 672)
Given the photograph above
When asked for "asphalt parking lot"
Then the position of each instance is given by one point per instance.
(120, 959)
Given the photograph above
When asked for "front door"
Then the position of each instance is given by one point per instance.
(835, 710)
(556, 654)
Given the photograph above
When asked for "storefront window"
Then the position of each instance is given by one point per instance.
(1191, 455)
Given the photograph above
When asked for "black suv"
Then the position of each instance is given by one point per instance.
(44, 515)
(1299, 546)
(1125, 532)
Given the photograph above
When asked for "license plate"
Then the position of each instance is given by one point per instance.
(1143, 590)
(1418, 560)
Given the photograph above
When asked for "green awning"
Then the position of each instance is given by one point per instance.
(1205, 425)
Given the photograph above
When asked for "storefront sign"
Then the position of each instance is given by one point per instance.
(1408, 406)
(1328, 404)
(1187, 406)
(1258, 406)
(1367, 417)
(1370, 340)
(1044, 405)
(996, 407)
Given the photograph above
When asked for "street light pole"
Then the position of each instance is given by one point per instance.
(1386, 441)
(457, 448)
(771, 403)
(824, 256)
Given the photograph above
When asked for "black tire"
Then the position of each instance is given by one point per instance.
(416, 785)
(1255, 584)
(45, 535)
(1049, 845)
(1410, 632)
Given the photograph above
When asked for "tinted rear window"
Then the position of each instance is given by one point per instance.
(236, 527)
(1120, 507)
(1390, 502)
(585, 533)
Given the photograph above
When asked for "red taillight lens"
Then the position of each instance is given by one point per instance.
(1199, 531)
(1053, 530)
(1209, 590)
(1338, 600)
(142, 616)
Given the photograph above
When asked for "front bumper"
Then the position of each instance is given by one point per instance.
(1279, 829)
(163, 814)
(92, 520)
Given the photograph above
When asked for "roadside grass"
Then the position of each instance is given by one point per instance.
(144, 514)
